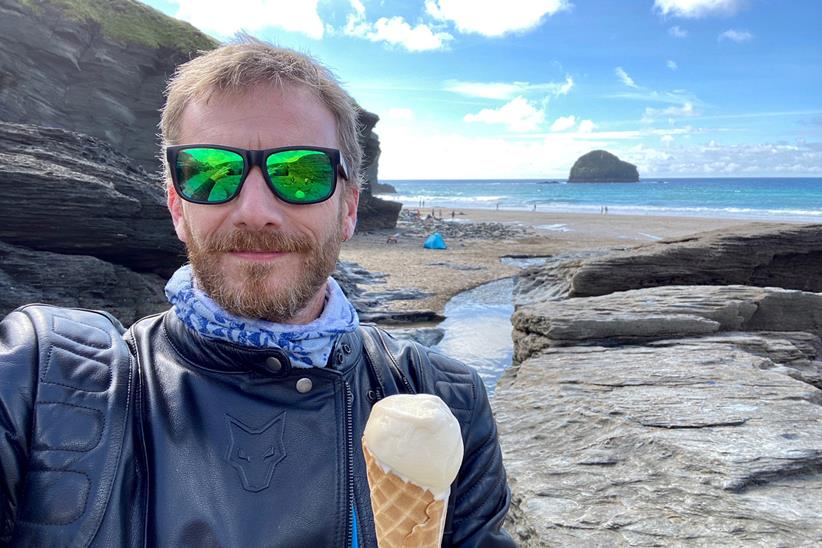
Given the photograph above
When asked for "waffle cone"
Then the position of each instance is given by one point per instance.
(405, 514)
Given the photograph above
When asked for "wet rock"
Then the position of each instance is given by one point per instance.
(401, 317)
(374, 306)
(426, 336)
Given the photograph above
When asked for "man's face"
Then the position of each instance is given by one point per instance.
(257, 256)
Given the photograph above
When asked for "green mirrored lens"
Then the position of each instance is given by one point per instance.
(209, 174)
(301, 176)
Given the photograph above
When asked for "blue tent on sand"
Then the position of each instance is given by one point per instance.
(435, 241)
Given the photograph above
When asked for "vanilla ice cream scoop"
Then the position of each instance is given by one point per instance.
(416, 437)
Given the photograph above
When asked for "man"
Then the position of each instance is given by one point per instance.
(233, 419)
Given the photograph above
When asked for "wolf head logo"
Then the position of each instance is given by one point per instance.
(255, 452)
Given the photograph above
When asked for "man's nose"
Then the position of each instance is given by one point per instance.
(256, 207)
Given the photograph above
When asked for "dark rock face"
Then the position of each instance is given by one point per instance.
(599, 166)
(62, 71)
(383, 188)
(62, 68)
(659, 414)
(81, 225)
(373, 213)
(69, 193)
(83, 281)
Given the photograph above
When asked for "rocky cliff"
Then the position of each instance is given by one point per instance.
(84, 221)
(99, 67)
(92, 66)
(599, 166)
(655, 413)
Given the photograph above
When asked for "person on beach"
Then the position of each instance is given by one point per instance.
(235, 417)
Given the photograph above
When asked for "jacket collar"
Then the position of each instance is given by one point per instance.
(234, 358)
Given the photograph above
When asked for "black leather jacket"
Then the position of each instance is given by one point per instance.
(163, 438)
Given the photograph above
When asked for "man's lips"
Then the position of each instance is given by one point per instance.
(257, 255)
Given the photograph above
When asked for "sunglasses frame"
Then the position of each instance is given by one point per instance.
(252, 158)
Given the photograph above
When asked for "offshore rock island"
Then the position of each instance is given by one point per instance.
(600, 166)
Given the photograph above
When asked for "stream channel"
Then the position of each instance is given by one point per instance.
(478, 328)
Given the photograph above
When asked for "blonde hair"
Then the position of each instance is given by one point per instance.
(239, 66)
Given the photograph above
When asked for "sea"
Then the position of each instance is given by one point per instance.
(771, 199)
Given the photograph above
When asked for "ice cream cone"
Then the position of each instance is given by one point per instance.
(406, 515)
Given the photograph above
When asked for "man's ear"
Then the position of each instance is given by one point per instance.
(351, 200)
(175, 206)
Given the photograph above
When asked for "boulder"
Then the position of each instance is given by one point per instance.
(599, 166)
(759, 254)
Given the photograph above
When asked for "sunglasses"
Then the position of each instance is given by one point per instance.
(211, 174)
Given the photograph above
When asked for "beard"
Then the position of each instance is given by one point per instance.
(263, 291)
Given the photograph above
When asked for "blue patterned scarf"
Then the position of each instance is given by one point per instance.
(308, 345)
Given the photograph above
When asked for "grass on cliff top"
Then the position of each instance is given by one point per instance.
(131, 22)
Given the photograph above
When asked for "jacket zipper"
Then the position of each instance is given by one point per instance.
(393, 363)
(349, 423)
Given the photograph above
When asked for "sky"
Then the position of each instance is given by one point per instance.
(519, 89)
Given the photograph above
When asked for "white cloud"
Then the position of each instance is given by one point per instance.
(762, 159)
(402, 114)
(549, 156)
(623, 76)
(694, 9)
(564, 122)
(685, 111)
(213, 17)
(394, 30)
(667, 139)
(671, 64)
(494, 18)
(517, 115)
(677, 32)
(737, 36)
(508, 90)
(586, 126)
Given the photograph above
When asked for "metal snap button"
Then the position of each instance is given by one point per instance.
(274, 364)
(304, 385)
(340, 357)
(346, 348)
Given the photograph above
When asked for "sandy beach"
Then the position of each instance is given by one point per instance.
(474, 259)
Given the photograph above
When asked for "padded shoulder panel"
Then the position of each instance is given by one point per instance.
(83, 399)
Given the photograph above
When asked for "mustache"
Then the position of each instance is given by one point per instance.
(261, 240)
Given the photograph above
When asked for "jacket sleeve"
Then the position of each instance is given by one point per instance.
(482, 496)
(18, 373)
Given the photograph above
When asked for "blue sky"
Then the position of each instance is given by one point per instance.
(521, 88)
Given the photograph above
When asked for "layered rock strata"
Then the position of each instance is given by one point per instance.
(759, 254)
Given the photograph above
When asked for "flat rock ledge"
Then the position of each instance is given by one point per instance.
(758, 254)
(665, 416)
